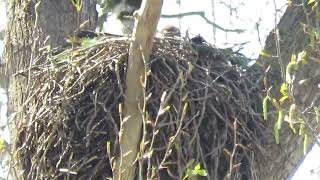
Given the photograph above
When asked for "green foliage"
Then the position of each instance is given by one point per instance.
(264, 53)
(86, 42)
(291, 67)
(302, 127)
(277, 126)
(281, 114)
(265, 107)
(305, 144)
(302, 57)
(2, 145)
(311, 1)
(286, 109)
(302, 132)
(284, 89)
(280, 119)
(294, 64)
(77, 4)
(291, 116)
(196, 171)
(276, 133)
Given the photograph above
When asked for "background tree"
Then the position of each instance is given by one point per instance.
(34, 24)
(294, 34)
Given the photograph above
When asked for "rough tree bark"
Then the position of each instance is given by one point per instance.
(280, 161)
(131, 125)
(33, 24)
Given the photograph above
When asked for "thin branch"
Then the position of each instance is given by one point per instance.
(203, 16)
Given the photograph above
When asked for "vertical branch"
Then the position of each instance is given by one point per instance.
(140, 49)
(179, 18)
(214, 20)
(277, 40)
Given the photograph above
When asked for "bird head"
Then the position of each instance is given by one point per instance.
(123, 10)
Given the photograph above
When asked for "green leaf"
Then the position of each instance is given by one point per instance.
(311, 1)
(265, 107)
(87, 42)
(276, 133)
(264, 53)
(163, 110)
(305, 144)
(202, 172)
(292, 66)
(197, 167)
(77, 4)
(196, 171)
(193, 173)
(284, 89)
(302, 128)
(291, 118)
(293, 58)
(280, 119)
(302, 57)
(2, 145)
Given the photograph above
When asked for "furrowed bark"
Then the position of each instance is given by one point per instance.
(30, 26)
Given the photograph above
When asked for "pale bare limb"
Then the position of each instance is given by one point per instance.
(203, 16)
(140, 49)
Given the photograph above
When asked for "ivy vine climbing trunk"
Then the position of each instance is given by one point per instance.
(131, 125)
(33, 24)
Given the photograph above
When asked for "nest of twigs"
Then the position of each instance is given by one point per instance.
(200, 109)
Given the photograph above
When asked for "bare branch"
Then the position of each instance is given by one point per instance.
(131, 125)
(203, 16)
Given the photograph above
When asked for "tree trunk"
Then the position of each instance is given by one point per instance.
(30, 25)
(290, 37)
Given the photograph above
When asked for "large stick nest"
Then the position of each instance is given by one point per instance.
(199, 109)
